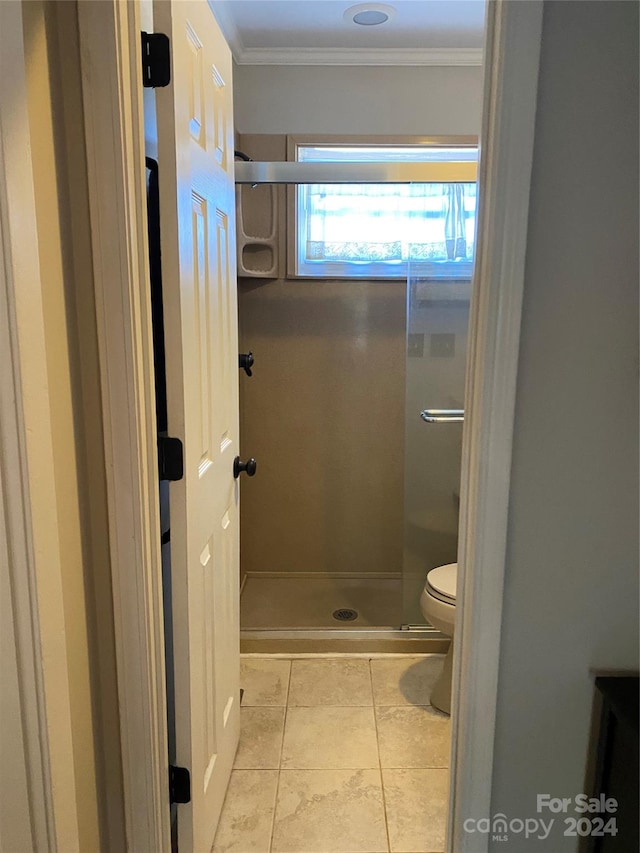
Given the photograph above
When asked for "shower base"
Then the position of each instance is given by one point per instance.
(294, 614)
(309, 601)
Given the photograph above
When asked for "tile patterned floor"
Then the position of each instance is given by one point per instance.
(342, 755)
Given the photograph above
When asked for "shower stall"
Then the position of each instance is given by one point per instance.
(355, 404)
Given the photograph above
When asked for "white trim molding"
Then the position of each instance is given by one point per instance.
(506, 156)
(358, 56)
(335, 55)
(114, 130)
(38, 797)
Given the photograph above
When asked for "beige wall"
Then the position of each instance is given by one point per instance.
(571, 585)
(366, 100)
(59, 173)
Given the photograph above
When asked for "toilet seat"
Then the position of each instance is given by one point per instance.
(442, 583)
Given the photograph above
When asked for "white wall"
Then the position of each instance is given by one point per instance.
(571, 592)
(357, 100)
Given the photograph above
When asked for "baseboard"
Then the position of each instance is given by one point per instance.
(330, 642)
(333, 655)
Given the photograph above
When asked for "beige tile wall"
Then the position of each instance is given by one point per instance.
(324, 416)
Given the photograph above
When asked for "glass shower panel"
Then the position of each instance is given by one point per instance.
(437, 327)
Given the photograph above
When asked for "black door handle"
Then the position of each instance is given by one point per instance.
(245, 362)
(249, 467)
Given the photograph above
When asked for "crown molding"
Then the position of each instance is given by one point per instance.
(356, 56)
(222, 13)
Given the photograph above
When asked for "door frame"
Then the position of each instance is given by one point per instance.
(114, 128)
(512, 59)
(40, 793)
(111, 63)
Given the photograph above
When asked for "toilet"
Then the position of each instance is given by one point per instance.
(438, 605)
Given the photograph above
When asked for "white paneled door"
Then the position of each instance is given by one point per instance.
(197, 207)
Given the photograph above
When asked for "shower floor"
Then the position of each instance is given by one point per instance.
(309, 602)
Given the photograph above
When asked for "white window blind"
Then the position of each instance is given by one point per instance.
(383, 230)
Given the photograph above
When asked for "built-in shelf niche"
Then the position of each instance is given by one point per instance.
(257, 231)
(261, 213)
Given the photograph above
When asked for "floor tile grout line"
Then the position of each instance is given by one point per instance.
(284, 724)
(416, 767)
(346, 769)
(339, 769)
(286, 700)
(384, 799)
(327, 705)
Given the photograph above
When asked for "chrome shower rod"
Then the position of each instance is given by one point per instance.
(354, 173)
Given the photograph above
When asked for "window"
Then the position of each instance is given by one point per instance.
(383, 230)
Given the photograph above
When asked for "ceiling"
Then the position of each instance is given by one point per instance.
(317, 32)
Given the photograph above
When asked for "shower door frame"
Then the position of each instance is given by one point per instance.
(512, 43)
(293, 173)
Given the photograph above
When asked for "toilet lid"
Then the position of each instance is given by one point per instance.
(443, 580)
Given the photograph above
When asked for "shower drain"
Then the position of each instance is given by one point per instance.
(345, 614)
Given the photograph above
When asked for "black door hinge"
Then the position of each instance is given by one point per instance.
(170, 458)
(179, 784)
(156, 60)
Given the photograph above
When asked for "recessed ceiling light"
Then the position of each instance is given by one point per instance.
(370, 17)
(369, 14)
